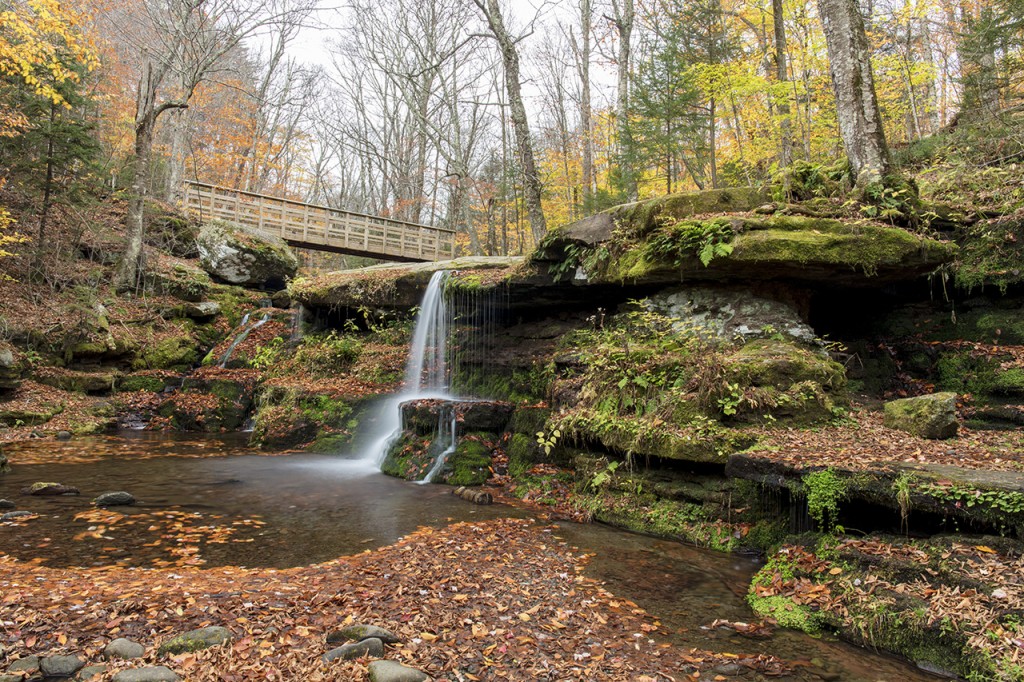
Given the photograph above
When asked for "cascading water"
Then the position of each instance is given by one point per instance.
(426, 375)
(246, 330)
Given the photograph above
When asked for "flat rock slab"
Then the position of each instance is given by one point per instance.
(60, 666)
(124, 648)
(357, 633)
(158, 673)
(10, 516)
(390, 671)
(367, 647)
(194, 640)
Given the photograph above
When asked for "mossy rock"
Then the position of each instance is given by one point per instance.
(781, 364)
(20, 417)
(196, 640)
(287, 417)
(78, 382)
(179, 281)
(141, 382)
(928, 416)
(523, 452)
(411, 456)
(10, 368)
(209, 404)
(470, 463)
(178, 353)
(237, 255)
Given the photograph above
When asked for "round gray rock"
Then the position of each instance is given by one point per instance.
(158, 673)
(7, 504)
(194, 640)
(66, 435)
(390, 671)
(124, 648)
(357, 633)
(114, 499)
(60, 666)
(367, 647)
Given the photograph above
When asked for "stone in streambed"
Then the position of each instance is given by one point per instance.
(124, 648)
(60, 666)
(49, 488)
(357, 633)
(4, 466)
(10, 516)
(66, 435)
(346, 652)
(114, 499)
(7, 504)
(390, 671)
(928, 416)
(91, 671)
(194, 640)
(27, 665)
(158, 673)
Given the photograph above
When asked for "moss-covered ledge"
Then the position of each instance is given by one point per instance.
(397, 286)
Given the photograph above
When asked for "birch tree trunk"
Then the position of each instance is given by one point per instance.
(860, 123)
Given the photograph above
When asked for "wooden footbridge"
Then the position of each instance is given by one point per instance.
(311, 226)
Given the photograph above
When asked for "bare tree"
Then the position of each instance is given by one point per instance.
(180, 44)
(782, 75)
(517, 111)
(582, 51)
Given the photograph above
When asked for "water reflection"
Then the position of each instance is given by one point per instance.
(300, 509)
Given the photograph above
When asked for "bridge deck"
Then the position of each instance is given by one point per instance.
(322, 228)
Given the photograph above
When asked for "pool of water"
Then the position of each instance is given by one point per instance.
(240, 508)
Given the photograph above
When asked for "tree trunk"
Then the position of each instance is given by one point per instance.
(44, 213)
(624, 16)
(860, 123)
(582, 53)
(520, 124)
(782, 75)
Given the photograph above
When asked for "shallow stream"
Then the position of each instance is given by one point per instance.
(210, 501)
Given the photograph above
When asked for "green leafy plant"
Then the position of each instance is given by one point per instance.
(824, 491)
(547, 442)
(604, 475)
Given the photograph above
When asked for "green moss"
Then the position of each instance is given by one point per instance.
(288, 416)
(177, 353)
(824, 491)
(794, 239)
(470, 463)
(140, 383)
(786, 613)
(523, 453)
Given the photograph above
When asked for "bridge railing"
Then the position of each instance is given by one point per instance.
(321, 227)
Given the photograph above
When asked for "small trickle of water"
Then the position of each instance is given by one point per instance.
(242, 335)
(446, 433)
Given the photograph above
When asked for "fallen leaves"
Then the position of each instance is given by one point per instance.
(456, 596)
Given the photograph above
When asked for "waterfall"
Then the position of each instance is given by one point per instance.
(245, 331)
(426, 374)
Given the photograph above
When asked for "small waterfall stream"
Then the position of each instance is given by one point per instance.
(246, 329)
(426, 376)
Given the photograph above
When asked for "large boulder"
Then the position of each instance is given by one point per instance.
(928, 416)
(235, 255)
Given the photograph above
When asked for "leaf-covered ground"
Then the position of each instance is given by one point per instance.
(863, 442)
(495, 600)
